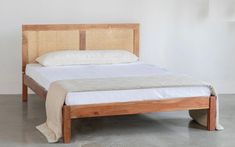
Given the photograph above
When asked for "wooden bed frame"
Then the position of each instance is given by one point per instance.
(39, 39)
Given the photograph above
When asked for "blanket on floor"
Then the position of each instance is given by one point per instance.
(52, 128)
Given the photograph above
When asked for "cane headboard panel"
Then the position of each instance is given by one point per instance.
(40, 39)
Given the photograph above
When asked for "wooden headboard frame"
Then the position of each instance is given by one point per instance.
(38, 39)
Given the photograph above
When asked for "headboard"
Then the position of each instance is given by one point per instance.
(40, 39)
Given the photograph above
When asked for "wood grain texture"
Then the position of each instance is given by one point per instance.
(46, 27)
(136, 41)
(211, 120)
(82, 40)
(38, 89)
(24, 51)
(125, 108)
(24, 95)
(24, 91)
(66, 124)
(137, 107)
(40, 39)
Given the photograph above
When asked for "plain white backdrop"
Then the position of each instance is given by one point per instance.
(196, 37)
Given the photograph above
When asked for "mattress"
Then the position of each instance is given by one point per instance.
(44, 76)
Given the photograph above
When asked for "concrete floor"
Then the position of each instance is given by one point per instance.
(169, 129)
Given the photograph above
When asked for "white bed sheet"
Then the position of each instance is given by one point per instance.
(46, 75)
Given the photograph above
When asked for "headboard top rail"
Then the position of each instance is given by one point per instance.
(44, 27)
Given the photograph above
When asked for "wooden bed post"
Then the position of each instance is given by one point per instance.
(211, 115)
(66, 124)
(24, 62)
(24, 91)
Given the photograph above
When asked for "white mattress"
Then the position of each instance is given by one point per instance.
(46, 75)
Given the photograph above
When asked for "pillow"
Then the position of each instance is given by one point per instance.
(74, 57)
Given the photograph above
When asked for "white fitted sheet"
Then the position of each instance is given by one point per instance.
(46, 75)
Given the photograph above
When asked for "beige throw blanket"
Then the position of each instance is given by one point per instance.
(58, 90)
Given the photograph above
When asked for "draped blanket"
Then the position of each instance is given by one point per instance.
(52, 128)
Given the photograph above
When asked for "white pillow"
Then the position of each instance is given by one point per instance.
(73, 57)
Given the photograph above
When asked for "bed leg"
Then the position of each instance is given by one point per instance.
(66, 124)
(211, 115)
(24, 91)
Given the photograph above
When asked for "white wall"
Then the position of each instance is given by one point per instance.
(196, 37)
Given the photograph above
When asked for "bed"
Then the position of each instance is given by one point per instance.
(40, 39)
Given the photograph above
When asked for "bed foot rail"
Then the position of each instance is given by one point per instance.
(211, 115)
(66, 124)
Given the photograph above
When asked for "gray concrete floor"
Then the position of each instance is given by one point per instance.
(168, 129)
